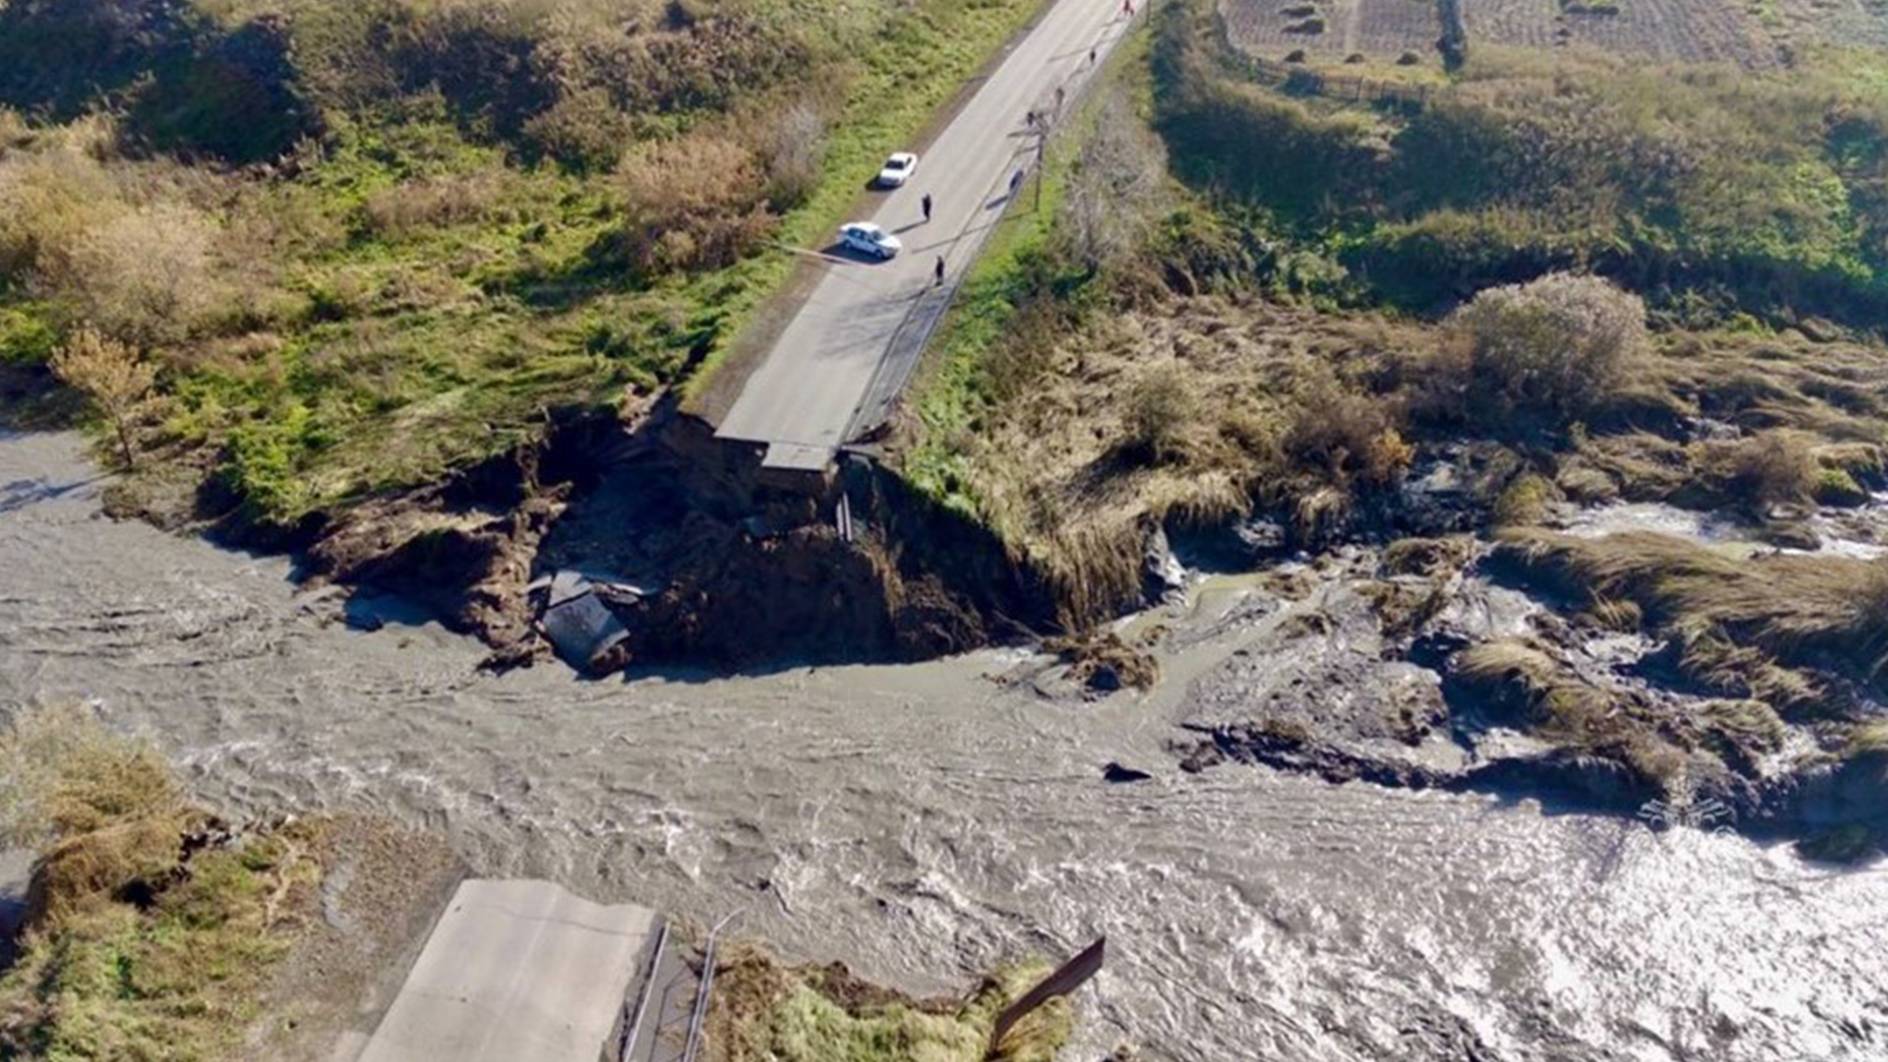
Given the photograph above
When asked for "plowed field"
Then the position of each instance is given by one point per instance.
(1756, 34)
(1378, 28)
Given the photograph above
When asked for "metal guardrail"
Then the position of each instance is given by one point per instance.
(633, 1025)
(693, 1044)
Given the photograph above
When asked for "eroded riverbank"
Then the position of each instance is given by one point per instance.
(924, 821)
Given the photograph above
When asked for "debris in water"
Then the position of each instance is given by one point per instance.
(586, 634)
(1118, 774)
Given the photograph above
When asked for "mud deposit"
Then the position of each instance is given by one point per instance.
(922, 821)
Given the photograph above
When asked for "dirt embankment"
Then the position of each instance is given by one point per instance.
(700, 559)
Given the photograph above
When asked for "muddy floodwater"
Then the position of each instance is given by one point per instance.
(922, 822)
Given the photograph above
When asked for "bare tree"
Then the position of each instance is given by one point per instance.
(792, 149)
(113, 377)
(1114, 189)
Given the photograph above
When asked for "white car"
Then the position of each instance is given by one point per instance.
(898, 169)
(867, 238)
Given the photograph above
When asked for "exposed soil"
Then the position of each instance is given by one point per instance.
(704, 562)
(1438, 677)
(1334, 28)
(1687, 30)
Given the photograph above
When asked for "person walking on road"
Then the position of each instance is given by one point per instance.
(1091, 56)
(1127, 8)
(1016, 181)
(1059, 92)
(938, 271)
(926, 203)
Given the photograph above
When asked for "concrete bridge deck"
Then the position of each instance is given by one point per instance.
(519, 970)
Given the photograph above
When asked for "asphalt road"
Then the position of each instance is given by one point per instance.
(851, 344)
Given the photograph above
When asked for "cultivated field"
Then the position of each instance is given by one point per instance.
(1273, 28)
(1861, 23)
(1692, 30)
(1756, 34)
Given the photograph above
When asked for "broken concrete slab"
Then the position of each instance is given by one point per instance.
(517, 970)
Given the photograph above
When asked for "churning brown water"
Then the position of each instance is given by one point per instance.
(923, 822)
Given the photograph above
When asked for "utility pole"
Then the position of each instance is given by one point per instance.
(1042, 138)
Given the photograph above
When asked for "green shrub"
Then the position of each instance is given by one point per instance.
(265, 461)
(26, 336)
(1835, 486)
(1670, 179)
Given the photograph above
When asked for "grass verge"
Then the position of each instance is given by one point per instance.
(768, 1012)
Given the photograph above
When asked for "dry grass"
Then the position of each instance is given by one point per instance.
(766, 1011)
(1870, 740)
(433, 202)
(1529, 687)
(1810, 413)
(62, 775)
(1771, 468)
(706, 222)
(1103, 661)
(1190, 410)
(1163, 417)
(1793, 610)
(1525, 501)
(1431, 557)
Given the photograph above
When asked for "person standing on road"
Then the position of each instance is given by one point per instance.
(1091, 56)
(1127, 8)
(926, 202)
(1059, 92)
(1016, 181)
(938, 271)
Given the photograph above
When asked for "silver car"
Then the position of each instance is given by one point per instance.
(867, 238)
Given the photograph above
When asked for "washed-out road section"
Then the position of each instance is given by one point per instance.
(851, 343)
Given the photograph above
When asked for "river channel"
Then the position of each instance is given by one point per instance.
(923, 822)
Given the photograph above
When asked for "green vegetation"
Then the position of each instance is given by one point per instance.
(461, 214)
(150, 933)
(767, 1011)
(1708, 190)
